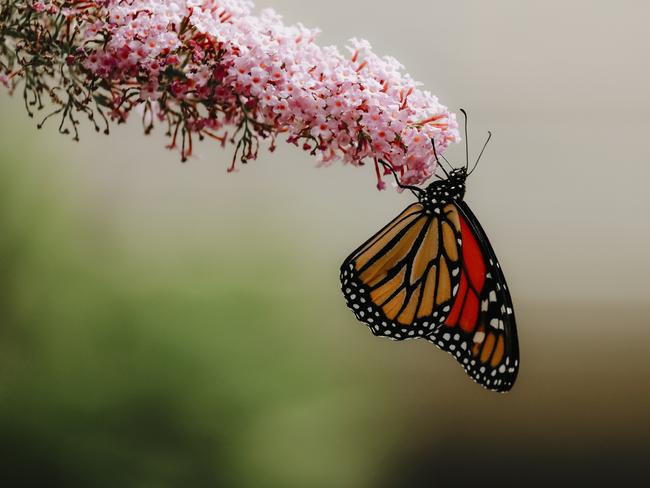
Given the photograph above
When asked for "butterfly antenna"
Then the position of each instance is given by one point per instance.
(435, 153)
(413, 189)
(466, 140)
(481, 153)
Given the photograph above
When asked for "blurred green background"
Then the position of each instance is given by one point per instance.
(168, 325)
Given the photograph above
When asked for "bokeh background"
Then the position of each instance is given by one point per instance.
(167, 325)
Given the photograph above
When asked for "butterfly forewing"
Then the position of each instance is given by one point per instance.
(402, 281)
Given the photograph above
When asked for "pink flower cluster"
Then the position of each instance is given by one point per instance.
(212, 68)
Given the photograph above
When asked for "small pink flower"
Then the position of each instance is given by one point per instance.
(149, 92)
(38, 6)
(320, 128)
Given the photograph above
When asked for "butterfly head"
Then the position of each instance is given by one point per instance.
(457, 177)
(447, 190)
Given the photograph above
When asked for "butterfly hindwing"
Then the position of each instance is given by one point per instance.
(402, 281)
(480, 331)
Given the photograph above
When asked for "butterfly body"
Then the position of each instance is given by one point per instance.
(431, 273)
(445, 191)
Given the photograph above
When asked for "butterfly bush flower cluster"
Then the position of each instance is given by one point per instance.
(214, 69)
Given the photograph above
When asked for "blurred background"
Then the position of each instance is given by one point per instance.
(166, 324)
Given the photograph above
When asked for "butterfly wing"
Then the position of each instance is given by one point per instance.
(480, 331)
(402, 281)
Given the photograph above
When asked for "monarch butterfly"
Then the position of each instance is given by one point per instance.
(431, 273)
